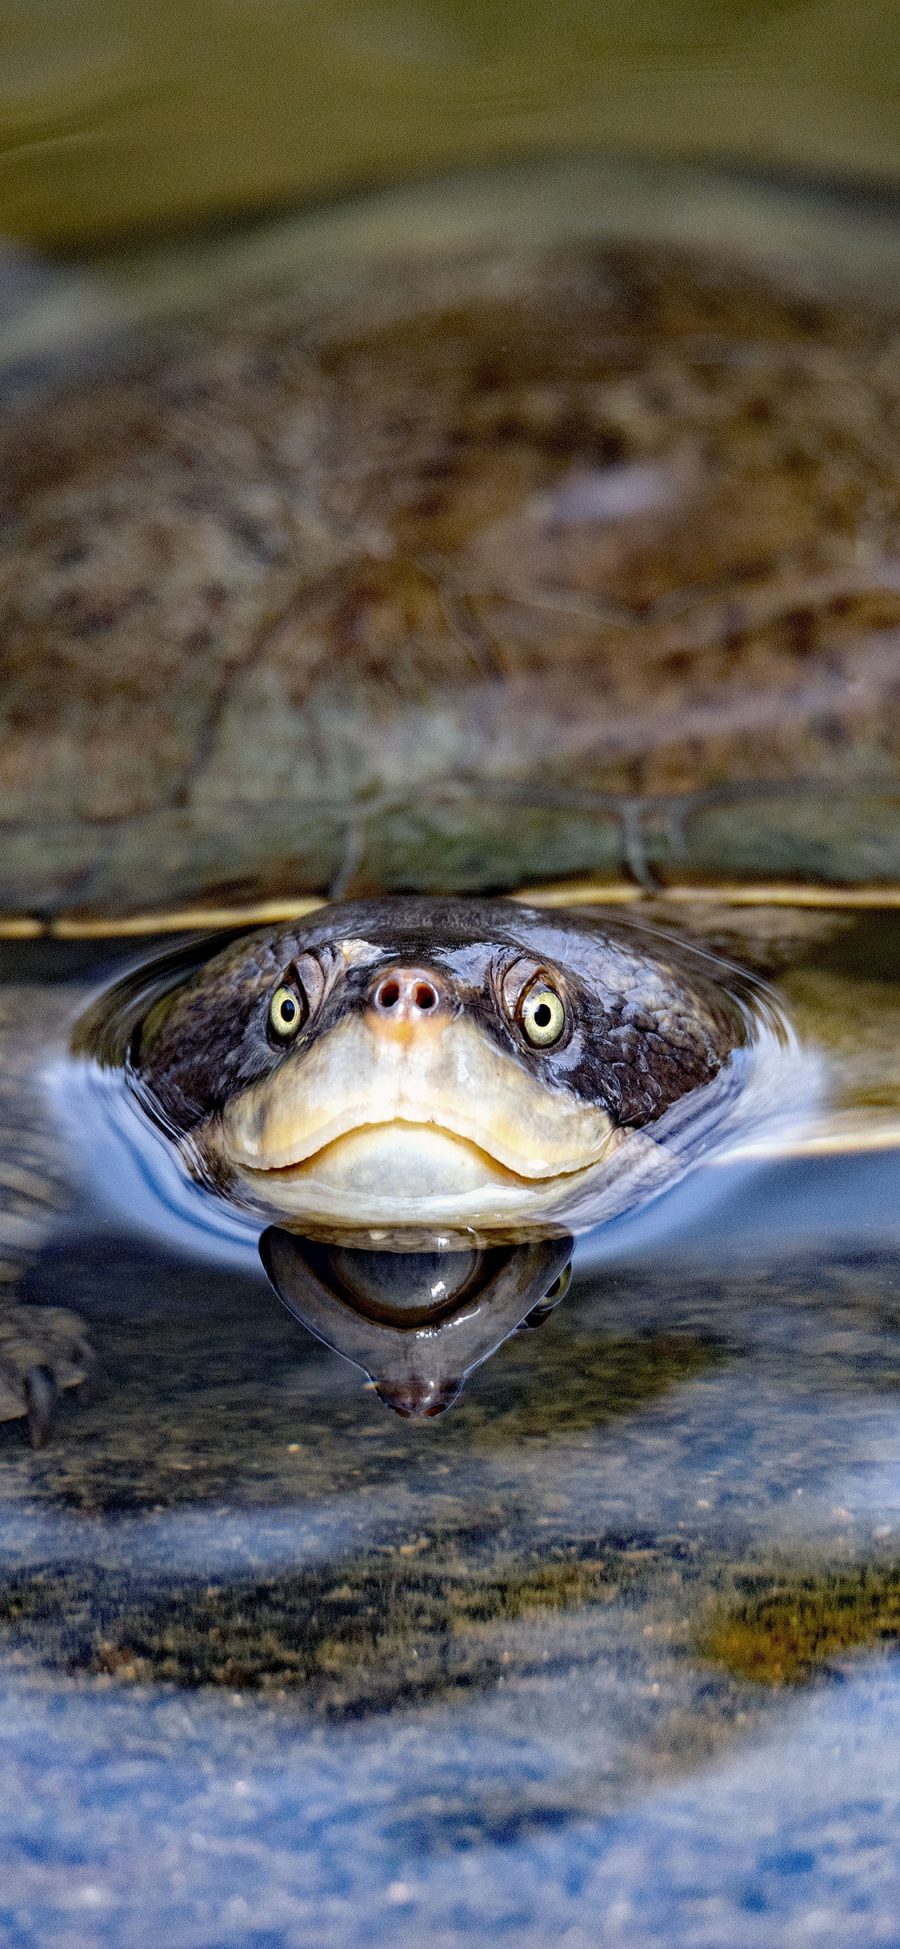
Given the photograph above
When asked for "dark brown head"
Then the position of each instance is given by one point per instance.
(427, 1061)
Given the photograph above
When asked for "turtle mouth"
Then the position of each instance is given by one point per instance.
(417, 1138)
(401, 1173)
(414, 1158)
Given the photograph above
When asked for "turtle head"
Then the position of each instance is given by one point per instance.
(423, 1062)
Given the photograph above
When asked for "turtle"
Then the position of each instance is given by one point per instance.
(431, 565)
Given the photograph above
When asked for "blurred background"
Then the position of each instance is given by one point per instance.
(117, 119)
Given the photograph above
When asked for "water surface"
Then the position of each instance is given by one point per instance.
(607, 1652)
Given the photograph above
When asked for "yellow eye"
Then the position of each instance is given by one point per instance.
(542, 1016)
(287, 1012)
(560, 1286)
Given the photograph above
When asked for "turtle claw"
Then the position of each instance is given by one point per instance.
(43, 1351)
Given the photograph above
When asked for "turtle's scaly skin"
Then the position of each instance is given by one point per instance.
(557, 561)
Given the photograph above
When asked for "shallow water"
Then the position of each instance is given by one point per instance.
(605, 1653)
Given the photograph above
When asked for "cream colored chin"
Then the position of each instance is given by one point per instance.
(448, 1076)
(401, 1174)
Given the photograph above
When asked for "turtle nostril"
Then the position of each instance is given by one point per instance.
(406, 993)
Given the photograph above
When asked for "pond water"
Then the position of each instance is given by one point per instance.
(604, 1654)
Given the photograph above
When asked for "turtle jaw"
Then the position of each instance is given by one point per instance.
(391, 1172)
(408, 1175)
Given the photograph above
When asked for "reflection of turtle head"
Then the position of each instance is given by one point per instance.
(417, 1322)
(418, 1061)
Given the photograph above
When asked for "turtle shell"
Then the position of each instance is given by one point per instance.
(509, 557)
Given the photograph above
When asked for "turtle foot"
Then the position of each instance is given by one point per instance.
(43, 1350)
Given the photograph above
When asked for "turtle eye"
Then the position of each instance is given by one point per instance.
(542, 1016)
(288, 1011)
(560, 1286)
